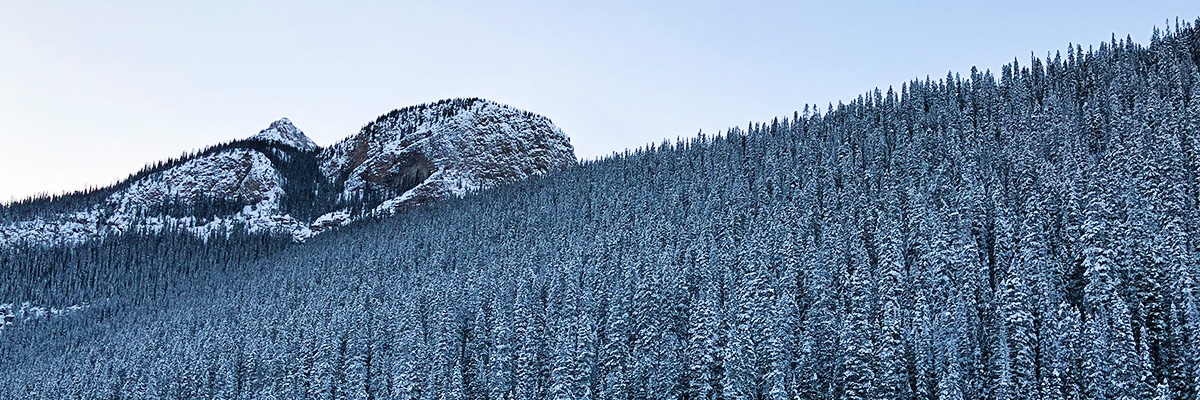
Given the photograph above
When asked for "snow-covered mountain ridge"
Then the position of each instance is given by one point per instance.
(279, 181)
(445, 149)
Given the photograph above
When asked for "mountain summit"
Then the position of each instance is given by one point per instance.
(279, 181)
(283, 132)
(446, 149)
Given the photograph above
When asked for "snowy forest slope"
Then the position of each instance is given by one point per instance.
(1031, 234)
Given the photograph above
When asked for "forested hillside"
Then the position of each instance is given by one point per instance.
(1029, 234)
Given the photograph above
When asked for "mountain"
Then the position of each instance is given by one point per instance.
(279, 181)
(419, 154)
(1032, 233)
(283, 132)
(234, 184)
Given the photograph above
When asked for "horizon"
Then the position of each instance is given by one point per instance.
(144, 84)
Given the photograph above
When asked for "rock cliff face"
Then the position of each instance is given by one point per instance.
(433, 151)
(405, 158)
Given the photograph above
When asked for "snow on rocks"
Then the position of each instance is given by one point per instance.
(452, 147)
(414, 155)
(283, 132)
(331, 220)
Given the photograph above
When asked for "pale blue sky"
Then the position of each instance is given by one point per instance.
(91, 91)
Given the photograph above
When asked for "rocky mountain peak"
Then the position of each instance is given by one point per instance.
(405, 158)
(282, 131)
(445, 149)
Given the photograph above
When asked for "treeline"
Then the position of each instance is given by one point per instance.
(417, 115)
(1026, 235)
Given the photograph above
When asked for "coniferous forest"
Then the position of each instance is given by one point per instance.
(1029, 233)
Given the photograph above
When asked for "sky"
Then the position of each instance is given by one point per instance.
(92, 91)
